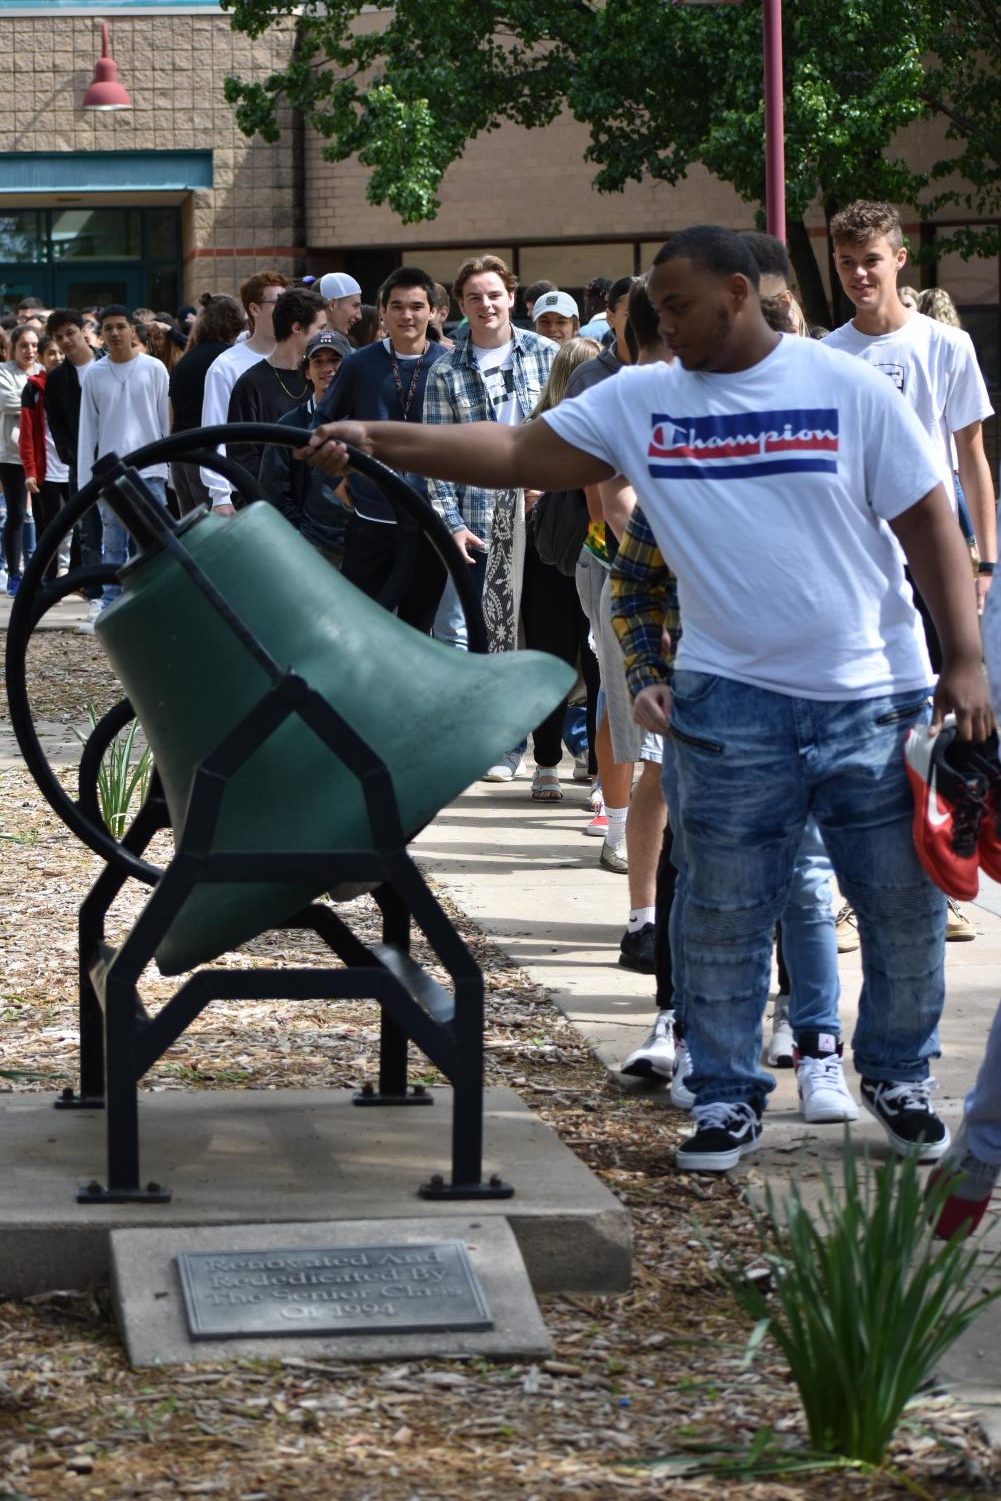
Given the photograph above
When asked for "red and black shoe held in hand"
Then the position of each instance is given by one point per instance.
(982, 758)
(950, 803)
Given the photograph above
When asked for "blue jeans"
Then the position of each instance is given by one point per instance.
(808, 938)
(982, 1109)
(575, 730)
(118, 544)
(450, 621)
(749, 767)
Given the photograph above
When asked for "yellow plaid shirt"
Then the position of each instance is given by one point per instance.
(644, 603)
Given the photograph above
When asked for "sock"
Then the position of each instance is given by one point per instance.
(616, 823)
(639, 917)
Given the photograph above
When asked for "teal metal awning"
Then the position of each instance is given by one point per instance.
(103, 8)
(104, 171)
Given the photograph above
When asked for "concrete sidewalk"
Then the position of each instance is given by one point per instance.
(64, 616)
(527, 875)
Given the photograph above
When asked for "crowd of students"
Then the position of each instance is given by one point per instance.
(709, 517)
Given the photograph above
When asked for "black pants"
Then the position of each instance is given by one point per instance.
(87, 550)
(187, 485)
(16, 496)
(554, 621)
(396, 566)
(664, 900)
(46, 506)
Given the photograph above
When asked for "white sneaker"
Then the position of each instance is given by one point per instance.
(782, 1043)
(506, 769)
(824, 1096)
(614, 857)
(86, 627)
(682, 1097)
(580, 771)
(655, 1057)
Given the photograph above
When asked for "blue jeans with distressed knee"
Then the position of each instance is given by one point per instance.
(750, 766)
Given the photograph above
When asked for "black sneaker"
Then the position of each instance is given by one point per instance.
(636, 951)
(905, 1113)
(724, 1133)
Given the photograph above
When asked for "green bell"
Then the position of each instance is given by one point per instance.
(436, 716)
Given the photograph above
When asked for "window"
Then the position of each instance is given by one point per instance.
(97, 234)
(22, 239)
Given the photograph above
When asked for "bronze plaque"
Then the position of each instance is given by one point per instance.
(401, 1289)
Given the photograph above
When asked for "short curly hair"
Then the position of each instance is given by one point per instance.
(866, 220)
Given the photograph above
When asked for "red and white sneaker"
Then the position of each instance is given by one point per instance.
(597, 827)
(949, 805)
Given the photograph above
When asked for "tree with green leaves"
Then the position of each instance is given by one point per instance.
(964, 86)
(660, 86)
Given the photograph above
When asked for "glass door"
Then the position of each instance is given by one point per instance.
(96, 286)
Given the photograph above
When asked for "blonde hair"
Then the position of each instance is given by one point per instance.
(936, 303)
(571, 354)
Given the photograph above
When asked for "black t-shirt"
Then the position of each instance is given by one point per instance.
(264, 393)
(62, 409)
(187, 384)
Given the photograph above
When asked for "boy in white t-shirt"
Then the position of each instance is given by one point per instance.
(777, 478)
(933, 365)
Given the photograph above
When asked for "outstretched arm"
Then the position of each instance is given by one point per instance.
(940, 564)
(488, 454)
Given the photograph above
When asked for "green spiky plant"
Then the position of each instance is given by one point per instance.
(863, 1301)
(122, 775)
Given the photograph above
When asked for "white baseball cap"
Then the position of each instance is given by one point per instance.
(556, 302)
(338, 284)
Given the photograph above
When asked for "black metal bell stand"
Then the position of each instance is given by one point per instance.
(119, 1041)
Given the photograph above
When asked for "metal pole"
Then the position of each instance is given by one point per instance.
(775, 161)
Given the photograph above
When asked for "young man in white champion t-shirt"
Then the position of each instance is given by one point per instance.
(777, 478)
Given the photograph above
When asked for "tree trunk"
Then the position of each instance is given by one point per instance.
(811, 283)
(843, 308)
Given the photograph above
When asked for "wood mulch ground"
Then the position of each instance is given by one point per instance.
(639, 1384)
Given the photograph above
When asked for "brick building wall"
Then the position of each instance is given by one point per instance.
(173, 67)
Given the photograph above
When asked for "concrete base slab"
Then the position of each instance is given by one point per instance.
(149, 1305)
(233, 1157)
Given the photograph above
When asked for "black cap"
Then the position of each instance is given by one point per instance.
(328, 338)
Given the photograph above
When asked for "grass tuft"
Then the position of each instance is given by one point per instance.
(863, 1301)
(120, 778)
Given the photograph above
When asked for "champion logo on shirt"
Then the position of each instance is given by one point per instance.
(745, 445)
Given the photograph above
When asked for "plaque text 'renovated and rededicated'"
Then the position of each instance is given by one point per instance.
(383, 1289)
